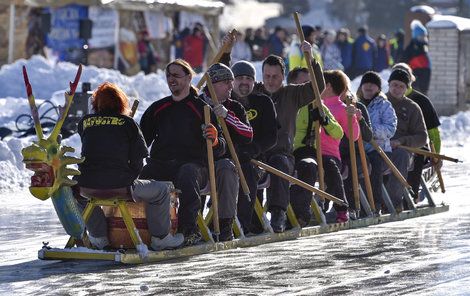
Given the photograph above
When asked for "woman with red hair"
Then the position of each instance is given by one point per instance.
(114, 149)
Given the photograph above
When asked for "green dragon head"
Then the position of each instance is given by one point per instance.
(46, 157)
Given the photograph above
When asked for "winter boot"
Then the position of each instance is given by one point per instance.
(226, 233)
(278, 220)
(192, 238)
(170, 241)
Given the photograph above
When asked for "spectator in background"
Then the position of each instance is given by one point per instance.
(345, 45)
(296, 56)
(260, 50)
(178, 38)
(193, 48)
(397, 45)
(364, 53)
(330, 53)
(383, 54)
(147, 60)
(250, 38)
(416, 55)
(241, 50)
(318, 35)
(276, 42)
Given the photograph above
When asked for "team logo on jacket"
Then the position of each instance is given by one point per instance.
(102, 120)
(251, 114)
(365, 46)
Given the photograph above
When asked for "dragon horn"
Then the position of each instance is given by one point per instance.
(68, 101)
(73, 85)
(32, 105)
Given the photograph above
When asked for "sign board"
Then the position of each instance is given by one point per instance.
(104, 27)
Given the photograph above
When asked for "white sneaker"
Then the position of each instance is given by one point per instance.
(99, 242)
(168, 242)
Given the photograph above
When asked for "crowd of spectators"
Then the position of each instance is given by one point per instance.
(334, 49)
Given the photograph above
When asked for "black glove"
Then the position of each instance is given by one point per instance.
(315, 115)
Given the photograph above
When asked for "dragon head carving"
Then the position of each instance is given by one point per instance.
(46, 157)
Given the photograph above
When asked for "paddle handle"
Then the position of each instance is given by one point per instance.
(228, 138)
(315, 103)
(352, 157)
(387, 160)
(210, 160)
(429, 153)
(365, 170)
(302, 184)
(216, 59)
(134, 107)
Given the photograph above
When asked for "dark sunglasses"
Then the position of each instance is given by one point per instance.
(168, 75)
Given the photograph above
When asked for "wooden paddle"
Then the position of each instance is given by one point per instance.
(352, 157)
(227, 137)
(365, 171)
(316, 103)
(216, 59)
(210, 160)
(429, 153)
(135, 104)
(394, 169)
(302, 184)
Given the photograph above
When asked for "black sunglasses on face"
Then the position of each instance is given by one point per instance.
(169, 74)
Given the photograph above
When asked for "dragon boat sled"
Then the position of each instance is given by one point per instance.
(126, 220)
(127, 232)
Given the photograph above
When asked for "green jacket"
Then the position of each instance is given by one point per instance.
(333, 128)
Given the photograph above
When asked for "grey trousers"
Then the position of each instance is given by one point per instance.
(227, 187)
(155, 194)
(401, 159)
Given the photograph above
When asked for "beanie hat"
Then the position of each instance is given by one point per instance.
(417, 29)
(400, 75)
(219, 72)
(405, 67)
(244, 68)
(371, 77)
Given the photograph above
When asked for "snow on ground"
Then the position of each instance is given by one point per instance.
(50, 81)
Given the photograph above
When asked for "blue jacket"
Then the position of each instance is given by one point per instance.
(364, 53)
(346, 48)
(382, 60)
(383, 122)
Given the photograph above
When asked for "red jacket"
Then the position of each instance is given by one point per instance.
(193, 50)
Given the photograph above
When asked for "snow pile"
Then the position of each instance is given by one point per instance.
(49, 81)
(13, 174)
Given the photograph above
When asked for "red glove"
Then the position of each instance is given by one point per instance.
(210, 132)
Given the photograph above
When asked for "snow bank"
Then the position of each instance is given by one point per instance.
(50, 80)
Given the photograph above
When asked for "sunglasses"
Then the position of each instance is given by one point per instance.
(169, 74)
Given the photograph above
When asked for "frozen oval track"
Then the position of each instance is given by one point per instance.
(423, 256)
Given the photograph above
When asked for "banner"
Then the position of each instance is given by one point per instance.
(64, 37)
(157, 24)
(104, 27)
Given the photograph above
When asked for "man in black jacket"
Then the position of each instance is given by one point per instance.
(234, 116)
(172, 126)
(262, 116)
